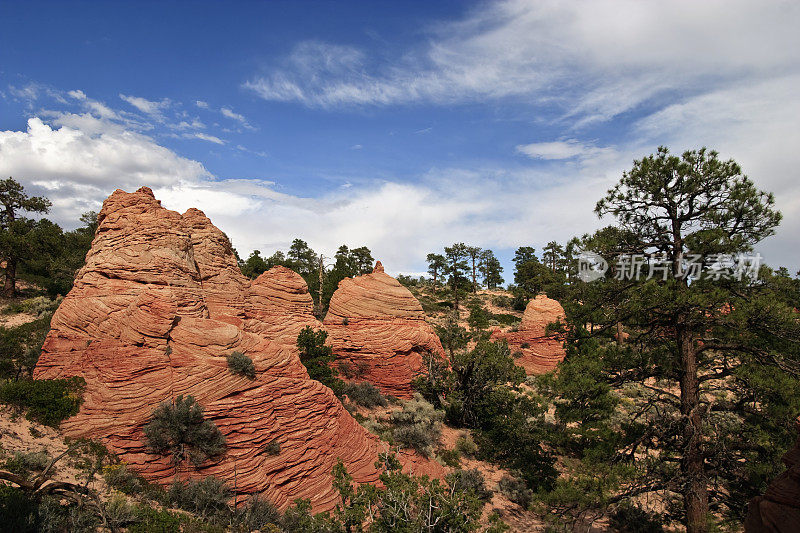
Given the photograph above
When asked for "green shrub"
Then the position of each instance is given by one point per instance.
(25, 463)
(418, 425)
(48, 401)
(258, 514)
(516, 490)
(273, 447)
(466, 446)
(239, 363)
(506, 319)
(633, 519)
(18, 511)
(450, 457)
(478, 319)
(502, 301)
(150, 520)
(365, 394)
(470, 480)
(181, 429)
(206, 497)
(125, 480)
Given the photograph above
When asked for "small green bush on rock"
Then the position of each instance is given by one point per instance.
(239, 363)
(181, 429)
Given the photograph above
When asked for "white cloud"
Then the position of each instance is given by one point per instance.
(596, 59)
(201, 104)
(81, 159)
(149, 107)
(558, 150)
(77, 94)
(204, 137)
(235, 116)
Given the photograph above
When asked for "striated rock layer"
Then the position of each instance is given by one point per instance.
(378, 332)
(153, 314)
(778, 510)
(540, 352)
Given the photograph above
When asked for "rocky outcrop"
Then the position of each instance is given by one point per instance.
(153, 314)
(778, 510)
(378, 332)
(540, 352)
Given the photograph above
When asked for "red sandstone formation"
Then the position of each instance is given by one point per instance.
(153, 314)
(540, 352)
(377, 328)
(778, 510)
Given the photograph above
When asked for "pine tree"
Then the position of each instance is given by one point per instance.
(17, 234)
(710, 369)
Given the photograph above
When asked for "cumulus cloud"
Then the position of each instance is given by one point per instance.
(80, 159)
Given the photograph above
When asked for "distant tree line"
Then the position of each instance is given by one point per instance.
(464, 269)
(322, 279)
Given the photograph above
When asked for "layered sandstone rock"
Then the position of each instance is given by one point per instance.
(153, 314)
(778, 510)
(378, 332)
(540, 352)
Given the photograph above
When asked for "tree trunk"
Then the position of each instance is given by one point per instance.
(474, 278)
(10, 286)
(434, 282)
(695, 493)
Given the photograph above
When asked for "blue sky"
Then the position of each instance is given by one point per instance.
(405, 126)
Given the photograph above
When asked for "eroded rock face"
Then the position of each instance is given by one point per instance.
(378, 332)
(540, 352)
(154, 313)
(778, 510)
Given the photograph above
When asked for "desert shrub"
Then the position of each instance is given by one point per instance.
(478, 318)
(466, 446)
(40, 305)
(520, 302)
(206, 497)
(633, 519)
(506, 319)
(56, 516)
(181, 429)
(119, 512)
(450, 457)
(417, 425)
(470, 480)
(48, 401)
(125, 480)
(365, 394)
(149, 520)
(25, 463)
(525, 345)
(258, 514)
(240, 364)
(347, 369)
(516, 490)
(19, 512)
(502, 301)
(299, 518)
(273, 447)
